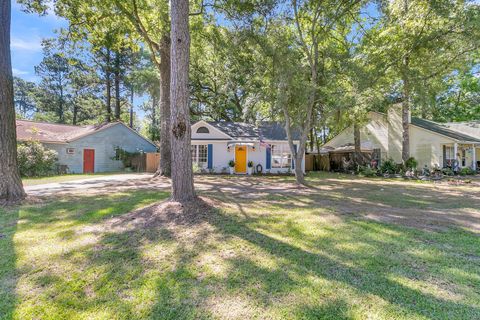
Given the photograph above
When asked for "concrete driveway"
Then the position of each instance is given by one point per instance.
(77, 186)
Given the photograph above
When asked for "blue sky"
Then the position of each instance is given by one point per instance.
(27, 32)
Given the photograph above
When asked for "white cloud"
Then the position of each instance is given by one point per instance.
(34, 44)
(17, 72)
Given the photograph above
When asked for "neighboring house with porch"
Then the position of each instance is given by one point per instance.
(214, 144)
(88, 148)
(433, 144)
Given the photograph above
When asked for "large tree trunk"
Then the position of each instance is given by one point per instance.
(164, 167)
(117, 85)
(11, 188)
(108, 83)
(182, 173)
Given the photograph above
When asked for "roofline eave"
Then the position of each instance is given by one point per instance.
(444, 135)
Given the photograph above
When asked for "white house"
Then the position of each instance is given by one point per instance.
(214, 144)
(432, 144)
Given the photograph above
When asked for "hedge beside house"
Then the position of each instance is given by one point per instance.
(35, 160)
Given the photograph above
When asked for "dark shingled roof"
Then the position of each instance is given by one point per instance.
(276, 131)
(236, 129)
(443, 130)
(264, 130)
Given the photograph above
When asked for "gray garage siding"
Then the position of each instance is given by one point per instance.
(104, 143)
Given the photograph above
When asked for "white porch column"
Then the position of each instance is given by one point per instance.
(474, 158)
(455, 154)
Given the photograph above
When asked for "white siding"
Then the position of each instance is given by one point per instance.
(385, 132)
(427, 147)
(373, 135)
(222, 155)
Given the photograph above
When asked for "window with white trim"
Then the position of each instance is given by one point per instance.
(200, 154)
(281, 156)
(449, 153)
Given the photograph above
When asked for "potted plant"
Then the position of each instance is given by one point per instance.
(250, 167)
(231, 165)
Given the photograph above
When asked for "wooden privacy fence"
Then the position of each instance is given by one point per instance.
(145, 162)
(309, 159)
(137, 163)
(317, 162)
(152, 161)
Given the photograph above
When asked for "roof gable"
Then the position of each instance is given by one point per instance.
(213, 133)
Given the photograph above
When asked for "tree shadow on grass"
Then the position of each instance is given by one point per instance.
(372, 281)
(55, 224)
(79, 210)
(182, 291)
(148, 266)
(421, 206)
(8, 257)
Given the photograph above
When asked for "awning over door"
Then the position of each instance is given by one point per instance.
(240, 143)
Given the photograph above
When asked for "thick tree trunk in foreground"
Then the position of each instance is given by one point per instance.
(182, 173)
(11, 188)
(164, 167)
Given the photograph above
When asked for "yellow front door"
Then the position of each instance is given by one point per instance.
(240, 159)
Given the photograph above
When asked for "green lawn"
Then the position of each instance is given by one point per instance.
(305, 254)
(64, 178)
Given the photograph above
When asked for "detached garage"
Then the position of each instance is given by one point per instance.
(86, 149)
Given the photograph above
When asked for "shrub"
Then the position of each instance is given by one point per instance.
(196, 168)
(125, 156)
(467, 171)
(388, 166)
(448, 171)
(35, 160)
(368, 172)
(400, 168)
(411, 163)
(231, 163)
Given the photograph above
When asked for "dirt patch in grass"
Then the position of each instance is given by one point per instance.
(166, 212)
